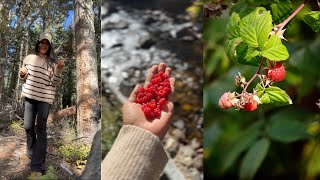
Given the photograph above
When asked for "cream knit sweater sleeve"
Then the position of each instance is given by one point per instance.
(135, 155)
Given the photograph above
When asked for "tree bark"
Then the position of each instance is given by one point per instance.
(88, 109)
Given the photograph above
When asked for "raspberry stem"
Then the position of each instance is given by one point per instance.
(281, 25)
(254, 76)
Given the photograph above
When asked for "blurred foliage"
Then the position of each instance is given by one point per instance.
(16, 127)
(50, 175)
(272, 142)
(111, 123)
(75, 152)
(195, 9)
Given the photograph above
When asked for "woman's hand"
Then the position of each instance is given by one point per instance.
(23, 71)
(60, 64)
(133, 115)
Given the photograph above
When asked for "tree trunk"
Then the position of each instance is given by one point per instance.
(88, 110)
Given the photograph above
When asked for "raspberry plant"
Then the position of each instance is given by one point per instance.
(241, 141)
(253, 40)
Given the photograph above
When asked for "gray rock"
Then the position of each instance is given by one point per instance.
(186, 151)
(179, 124)
(171, 146)
(179, 135)
(198, 162)
(194, 174)
(187, 161)
(195, 144)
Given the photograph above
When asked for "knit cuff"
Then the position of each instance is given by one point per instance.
(136, 155)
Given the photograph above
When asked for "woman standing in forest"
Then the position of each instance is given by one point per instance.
(42, 74)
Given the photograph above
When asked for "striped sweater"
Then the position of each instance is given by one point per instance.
(41, 80)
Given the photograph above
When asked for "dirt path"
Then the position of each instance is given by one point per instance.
(14, 164)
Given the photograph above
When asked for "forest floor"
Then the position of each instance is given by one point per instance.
(14, 164)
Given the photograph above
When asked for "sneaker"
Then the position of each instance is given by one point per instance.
(35, 175)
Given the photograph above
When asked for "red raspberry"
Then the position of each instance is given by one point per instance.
(145, 99)
(250, 106)
(224, 102)
(154, 96)
(152, 105)
(251, 102)
(165, 76)
(141, 90)
(166, 90)
(162, 101)
(277, 73)
(147, 110)
(157, 112)
(161, 73)
(162, 93)
(167, 84)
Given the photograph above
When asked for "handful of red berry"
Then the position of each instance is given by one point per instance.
(155, 95)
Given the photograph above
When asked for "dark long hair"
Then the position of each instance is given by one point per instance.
(51, 59)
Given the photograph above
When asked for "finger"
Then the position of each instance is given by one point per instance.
(153, 70)
(132, 97)
(172, 82)
(161, 67)
(168, 71)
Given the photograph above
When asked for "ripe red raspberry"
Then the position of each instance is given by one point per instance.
(162, 101)
(224, 101)
(276, 73)
(252, 103)
(250, 106)
(155, 95)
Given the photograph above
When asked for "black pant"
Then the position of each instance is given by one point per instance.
(36, 140)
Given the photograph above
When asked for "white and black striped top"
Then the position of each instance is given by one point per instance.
(41, 80)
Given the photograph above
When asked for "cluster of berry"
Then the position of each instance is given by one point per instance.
(249, 101)
(154, 96)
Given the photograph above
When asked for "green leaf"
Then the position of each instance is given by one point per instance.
(233, 29)
(273, 95)
(254, 158)
(255, 27)
(286, 130)
(313, 20)
(231, 49)
(259, 88)
(239, 53)
(274, 50)
(234, 150)
(281, 11)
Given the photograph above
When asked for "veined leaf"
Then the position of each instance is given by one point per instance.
(274, 50)
(273, 95)
(231, 49)
(233, 29)
(255, 27)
